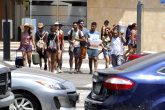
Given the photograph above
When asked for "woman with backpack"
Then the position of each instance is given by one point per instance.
(41, 37)
(53, 47)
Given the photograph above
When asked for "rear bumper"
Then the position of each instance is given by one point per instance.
(91, 104)
(5, 102)
(94, 105)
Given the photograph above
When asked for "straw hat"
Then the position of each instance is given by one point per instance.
(40, 25)
(27, 25)
(56, 23)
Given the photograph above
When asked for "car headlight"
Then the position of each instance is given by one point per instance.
(52, 85)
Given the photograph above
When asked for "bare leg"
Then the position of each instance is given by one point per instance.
(76, 63)
(53, 62)
(49, 60)
(71, 62)
(29, 54)
(40, 62)
(45, 60)
(129, 49)
(95, 63)
(60, 65)
(24, 58)
(90, 65)
(58, 58)
(107, 60)
(133, 50)
(79, 64)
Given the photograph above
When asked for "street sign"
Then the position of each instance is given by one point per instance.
(162, 1)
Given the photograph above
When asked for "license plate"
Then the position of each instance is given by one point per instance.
(97, 88)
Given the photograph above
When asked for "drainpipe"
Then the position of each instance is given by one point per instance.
(30, 9)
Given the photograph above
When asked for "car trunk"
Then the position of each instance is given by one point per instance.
(99, 91)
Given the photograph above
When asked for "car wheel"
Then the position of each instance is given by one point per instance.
(24, 102)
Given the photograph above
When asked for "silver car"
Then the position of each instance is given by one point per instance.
(36, 89)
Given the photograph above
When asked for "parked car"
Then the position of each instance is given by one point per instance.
(36, 89)
(136, 85)
(6, 96)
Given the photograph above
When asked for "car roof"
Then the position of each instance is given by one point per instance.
(142, 62)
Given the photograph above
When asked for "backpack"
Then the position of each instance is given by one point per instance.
(71, 34)
(52, 43)
(127, 36)
(41, 44)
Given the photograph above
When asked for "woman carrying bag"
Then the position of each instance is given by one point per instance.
(27, 43)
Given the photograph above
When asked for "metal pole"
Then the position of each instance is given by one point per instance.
(6, 35)
(6, 2)
(30, 9)
(57, 10)
(139, 26)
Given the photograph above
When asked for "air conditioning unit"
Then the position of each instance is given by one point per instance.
(11, 28)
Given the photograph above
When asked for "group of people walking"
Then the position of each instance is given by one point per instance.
(48, 45)
(81, 41)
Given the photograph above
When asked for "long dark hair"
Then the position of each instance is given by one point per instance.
(29, 31)
(133, 26)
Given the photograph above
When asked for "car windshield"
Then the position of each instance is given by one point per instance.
(142, 62)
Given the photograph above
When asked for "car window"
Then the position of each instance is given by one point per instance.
(141, 62)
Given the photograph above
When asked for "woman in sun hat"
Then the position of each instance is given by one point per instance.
(41, 37)
(26, 43)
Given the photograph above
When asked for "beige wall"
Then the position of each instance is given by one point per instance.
(153, 38)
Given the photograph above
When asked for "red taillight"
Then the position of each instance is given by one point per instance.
(117, 83)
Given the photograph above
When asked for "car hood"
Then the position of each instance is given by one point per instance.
(35, 74)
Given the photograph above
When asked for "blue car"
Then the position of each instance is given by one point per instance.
(135, 85)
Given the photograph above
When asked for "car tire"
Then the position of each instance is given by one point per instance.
(24, 100)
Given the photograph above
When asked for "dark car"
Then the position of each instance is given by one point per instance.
(6, 96)
(135, 85)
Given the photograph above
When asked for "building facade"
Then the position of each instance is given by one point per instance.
(16, 10)
(153, 28)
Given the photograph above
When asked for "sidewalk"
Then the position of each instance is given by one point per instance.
(82, 81)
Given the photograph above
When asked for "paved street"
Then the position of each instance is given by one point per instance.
(83, 94)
